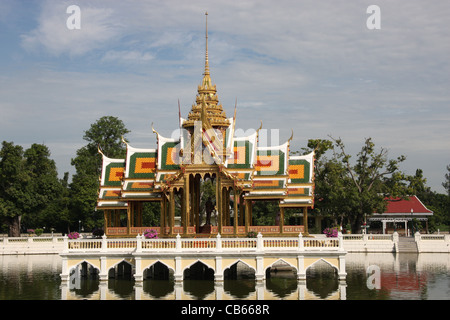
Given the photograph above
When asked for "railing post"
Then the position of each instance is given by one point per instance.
(178, 243)
(104, 243)
(395, 240)
(417, 240)
(301, 245)
(341, 241)
(259, 242)
(66, 244)
(219, 242)
(138, 243)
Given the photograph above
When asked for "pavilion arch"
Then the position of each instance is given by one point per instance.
(158, 270)
(231, 271)
(210, 263)
(88, 263)
(202, 270)
(171, 268)
(115, 266)
(269, 266)
(333, 266)
(229, 265)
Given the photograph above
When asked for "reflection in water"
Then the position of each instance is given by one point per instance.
(240, 289)
(399, 276)
(322, 280)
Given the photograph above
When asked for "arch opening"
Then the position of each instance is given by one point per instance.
(158, 280)
(198, 271)
(84, 279)
(281, 269)
(281, 279)
(239, 271)
(158, 271)
(122, 270)
(239, 280)
(322, 279)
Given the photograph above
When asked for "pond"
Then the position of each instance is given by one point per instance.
(373, 276)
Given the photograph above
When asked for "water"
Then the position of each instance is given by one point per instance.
(396, 276)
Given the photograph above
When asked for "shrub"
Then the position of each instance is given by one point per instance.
(150, 234)
(252, 234)
(331, 232)
(73, 235)
(98, 233)
(39, 232)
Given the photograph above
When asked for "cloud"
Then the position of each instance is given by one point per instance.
(127, 56)
(308, 65)
(98, 28)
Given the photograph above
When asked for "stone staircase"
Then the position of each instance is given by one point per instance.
(407, 244)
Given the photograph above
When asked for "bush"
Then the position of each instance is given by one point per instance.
(252, 234)
(98, 233)
(73, 235)
(150, 234)
(331, 232)
(38, 232)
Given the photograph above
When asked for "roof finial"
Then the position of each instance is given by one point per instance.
(206, 55)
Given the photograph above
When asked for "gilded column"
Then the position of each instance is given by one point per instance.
(172, 209)
(281, 219)
(305, 220)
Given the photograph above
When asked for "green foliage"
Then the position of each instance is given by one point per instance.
(28, 185)
(105, 134)
(150, 213)
(265, 213)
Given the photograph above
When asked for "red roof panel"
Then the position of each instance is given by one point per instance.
(398, 205)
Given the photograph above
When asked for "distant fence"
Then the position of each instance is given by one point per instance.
(178, 244)
(432, 242)
(31, 245)
(370, 242)
(348, 242)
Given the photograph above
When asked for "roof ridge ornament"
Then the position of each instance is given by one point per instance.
(206, 50)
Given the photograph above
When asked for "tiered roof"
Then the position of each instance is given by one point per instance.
(262, 172)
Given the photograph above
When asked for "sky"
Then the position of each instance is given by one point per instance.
(319, 68)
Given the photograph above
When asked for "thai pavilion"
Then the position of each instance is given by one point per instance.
(242, 172)
(400, 213)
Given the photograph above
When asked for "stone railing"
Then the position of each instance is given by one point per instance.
(370, 242)
(178, 244)
(31, 245)
(432, 242)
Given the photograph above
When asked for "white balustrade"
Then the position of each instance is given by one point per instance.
(178, 244)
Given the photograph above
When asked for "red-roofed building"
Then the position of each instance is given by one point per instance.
(399, 212)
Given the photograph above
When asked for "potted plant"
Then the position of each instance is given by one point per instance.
(30, 232)
(39, 231)
(348, 228)
(98, 233)
(150, 234)
(331, 232)
(73, 235)
(251, 234)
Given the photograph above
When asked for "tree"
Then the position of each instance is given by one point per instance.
(28, 184)
(106, 133)
(446, 185)
(333, 190)
(13, 184)
(375, 177)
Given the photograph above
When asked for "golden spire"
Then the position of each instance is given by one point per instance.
(207, 92)
(206, 54)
